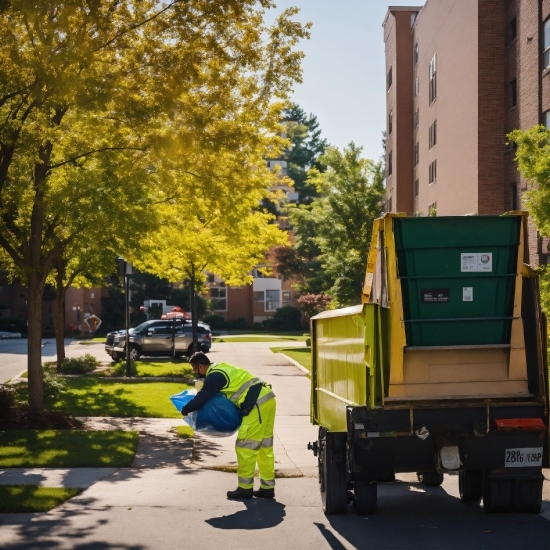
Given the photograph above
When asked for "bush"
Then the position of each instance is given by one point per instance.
(79, 365)
(287, 318)
(236, 324)
(54, 385)
(7, 401)
(268, 324)
(215, 321)
(257, 326)
(308, 342)
(119, 368)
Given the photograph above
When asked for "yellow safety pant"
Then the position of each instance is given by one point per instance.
(255, 445)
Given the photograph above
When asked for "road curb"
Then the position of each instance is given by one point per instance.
(295, 363)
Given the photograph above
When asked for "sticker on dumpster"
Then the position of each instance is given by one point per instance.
(476, 261)
(467, 294)
(434, 295)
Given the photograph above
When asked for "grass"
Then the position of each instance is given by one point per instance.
(94, 396)
(33, 498)
(93, 341)
(261, 338)
(164, 368)
(67, 448)
(185, 432)
(301, 355)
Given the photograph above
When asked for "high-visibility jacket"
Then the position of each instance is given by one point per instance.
(238, 382)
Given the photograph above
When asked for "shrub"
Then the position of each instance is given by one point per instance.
(7, 400)
(257, 326)
(312, 304)
(79, 365)
(54, 385)
(215, 321)
(287, 318)
(308, 342)
(236, 324)
(119, 368)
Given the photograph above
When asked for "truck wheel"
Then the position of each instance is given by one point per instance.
(366, 497)
(203, 348)
(430, 479)
(470, 485)
(134, 353)
(332, 471)
(117, 356)
(190, 350)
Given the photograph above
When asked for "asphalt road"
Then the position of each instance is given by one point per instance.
(13, 354)
(185, 507)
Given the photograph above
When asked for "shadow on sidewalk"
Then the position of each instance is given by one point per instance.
(259, 514)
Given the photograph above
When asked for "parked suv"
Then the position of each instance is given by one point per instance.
(154, 338)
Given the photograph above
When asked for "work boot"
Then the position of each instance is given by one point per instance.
(239, 494)
(264, 493)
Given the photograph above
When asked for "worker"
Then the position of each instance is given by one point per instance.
(256, 403)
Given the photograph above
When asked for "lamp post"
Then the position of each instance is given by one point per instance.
(124, 272)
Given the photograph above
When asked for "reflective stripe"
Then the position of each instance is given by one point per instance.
(246, 480)
(270, 483)
(248, 444)
(265, 398)
(243, 388)
(267, 442)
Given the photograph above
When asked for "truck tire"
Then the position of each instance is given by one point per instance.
(117, 356)
(470, 485)
(430, 479)
(332, 471)
(135, 352)
(366, 494)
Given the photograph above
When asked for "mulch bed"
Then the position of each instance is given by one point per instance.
(22, 418)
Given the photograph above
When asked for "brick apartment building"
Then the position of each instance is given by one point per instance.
(460, 75)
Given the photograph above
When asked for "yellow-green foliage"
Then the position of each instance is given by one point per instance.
(33, 498)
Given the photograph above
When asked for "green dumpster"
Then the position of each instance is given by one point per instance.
(457, 279)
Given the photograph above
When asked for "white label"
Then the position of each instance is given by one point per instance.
(521, 458)
(467, 294)
(468, 262)
(476, 261)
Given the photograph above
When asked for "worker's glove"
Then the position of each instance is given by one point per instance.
(184, 415)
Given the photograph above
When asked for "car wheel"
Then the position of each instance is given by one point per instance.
(134, 353)
(117, 356)
(204, 348)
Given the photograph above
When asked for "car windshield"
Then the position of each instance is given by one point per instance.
(139, 328)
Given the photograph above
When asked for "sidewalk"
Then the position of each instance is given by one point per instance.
(160, 447)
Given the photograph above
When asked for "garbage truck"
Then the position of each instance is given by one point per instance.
(442, 368)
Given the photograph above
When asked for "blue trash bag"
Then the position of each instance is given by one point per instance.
(218, 417)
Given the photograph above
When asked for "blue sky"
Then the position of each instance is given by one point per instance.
(344, 69)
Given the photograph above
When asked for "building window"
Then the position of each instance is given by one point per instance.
(416, 153)
(258, 296)
(433, 134)
(433, 172)
(416, 86)
(512, 30)
(416, 53)
(416, 118)
(416, 186)
(389, 205)
(514, 92)
(390, 163)
(546, 47)
(218, 298)
(432, 210)
(546, 119)
(210, 278)
(390, 123)
(433, 86)
(389, 79)
(272, 300)
(514, 197)
(286, 296)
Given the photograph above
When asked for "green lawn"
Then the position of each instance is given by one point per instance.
(164, 368)
(94, 396)
(67, 448)
(261, 338)
(33, 498)
(93, 341)
(301, 355)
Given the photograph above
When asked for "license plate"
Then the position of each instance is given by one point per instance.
(521, 458)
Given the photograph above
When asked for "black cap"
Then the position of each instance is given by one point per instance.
(200, 358)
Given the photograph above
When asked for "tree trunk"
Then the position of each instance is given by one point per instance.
(194, 314)
(60, 321)
(34, 364)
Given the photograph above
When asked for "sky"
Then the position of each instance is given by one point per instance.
(344, 69)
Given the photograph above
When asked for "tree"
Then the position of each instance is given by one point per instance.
(533, 158)
(133, 88)
(339, 222)
(306, 147)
